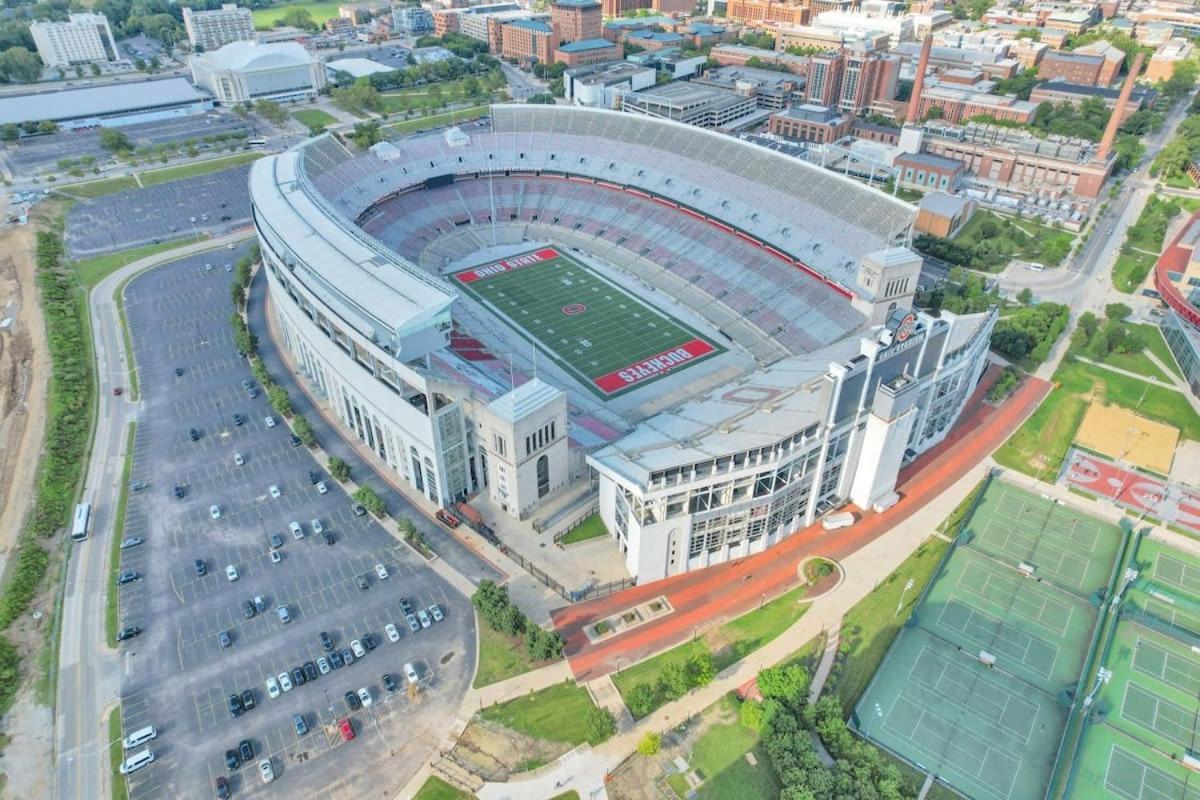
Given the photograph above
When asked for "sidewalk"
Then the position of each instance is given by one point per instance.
(707, 597)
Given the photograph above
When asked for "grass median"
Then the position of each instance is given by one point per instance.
(119, 298)
(84, 191)
(116, 755)
(93, 270)
(197, 168)
(313, 117)
(112, 595)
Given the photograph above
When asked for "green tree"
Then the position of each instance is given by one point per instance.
(114, 141)
(650, 744)
(600, 725)
(641, 700)
(304, 432)
(543, 645)
(339, 470)
(370, 500)
(9, 132)
(674, 680)
(789, 684)
(1025, 296)
(701, 669)
(297, 18)
(366, 134)
(19, 65)
(358, 98)
(271, 111)
(278, 399)
(1117, 311)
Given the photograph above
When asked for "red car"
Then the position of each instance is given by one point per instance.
(346, 728)
(446, 518)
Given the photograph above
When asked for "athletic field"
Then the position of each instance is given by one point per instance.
(1146, 715)
(609, 340)
(972, 689)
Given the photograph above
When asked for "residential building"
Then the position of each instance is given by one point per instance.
(209, 30)
(600, 85)
(692, 104)
(806, 122)
(82, 39)
(527, 40)
(412, 20)
(242, 72)
(574, 20)
(588, 51)
(1167, 58)
(739, 54)
(1062, 92)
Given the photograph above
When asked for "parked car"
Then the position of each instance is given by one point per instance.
(231, 573)
(180, 492)
(246, 750)
(232, 761)
(381, 571)
(335, 659)
(273, 490)
(369, 641)
(284, 615)
(239, 460)
(393, 635)
(316, 526)
(223, 792)
(128, 632)
(322, 488)
(357, 509)
(298, 676)
(270, 421)
(276, 557)
(239, 420)
(359, 650)
(127, 577)
(389, 682)
(310, 671)
(410, 672)
(352, 701)
(248, 610)
(223, 638)
(314, 477)
(265, 771)
(235, 705)
(285, 682)
(423, 616)
(361, 580)
(347, 656)
(326, 640)
(301, 725)
(248, 699)
(413, 624)
(200, 567)
(276, 541)
(297, 531)
(435, 611)
(214, 511)
(365, 695)
(346, 729)
(272, 688)
(323, 665)
(328, 537)
(193, 434)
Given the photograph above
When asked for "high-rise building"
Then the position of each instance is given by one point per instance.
(574, 20)
(82, 39)
(852, 78)
(212, 30)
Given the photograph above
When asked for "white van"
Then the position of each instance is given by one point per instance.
(843, 519)
(137, 761)
(140, 737)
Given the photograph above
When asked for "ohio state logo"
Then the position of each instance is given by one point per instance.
(574, 308)
(907, 326)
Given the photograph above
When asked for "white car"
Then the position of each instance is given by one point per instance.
(424, 618)
(323, 665)
(285, 682)
(322, 488)
(265, 771)
(358, 649)
(237, 459)
(381, 571)
(276, 558)
(274, 490)
(365, 696)
(231, 573)
(410, 672)
(317, 527)
(392, 634)
(272, 688)
(270, 422)
(214, 512)
(297, 531)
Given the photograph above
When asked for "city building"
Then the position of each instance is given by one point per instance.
(1061, 92)
(767, 12)
(806, 122)
(412, 20)
(897, 25)
(614, 30)
(770, 89)
(354, 67)
(994, 61)
(1071, 22)
(600, 85)
(527, 40)
(739, 55)
(209, 30)
(1114, 59)
(927, 172)
(82, 39)
(702, 34)
(834, 385)
(1177, 281)
(810, 37)
(694, 104)
(851, 79)
(670, 63)
(1164, 61)
(588, 51)
(1076, 68)
(957, 103)
(942, 215)
(109, 106)
(654, 40)
(617, 8)
(242, 72)
(1181, 18)
(574, 20)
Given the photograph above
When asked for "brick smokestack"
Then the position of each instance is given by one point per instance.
(1114, 122)
(914, 99)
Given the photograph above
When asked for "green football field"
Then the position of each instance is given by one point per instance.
(607, 338)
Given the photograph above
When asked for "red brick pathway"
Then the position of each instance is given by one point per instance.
(705, 597)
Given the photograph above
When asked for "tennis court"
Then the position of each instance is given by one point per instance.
(1063, 545)
(1114, 766)
(970, 690)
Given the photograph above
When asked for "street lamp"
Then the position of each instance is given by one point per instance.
(903, 592)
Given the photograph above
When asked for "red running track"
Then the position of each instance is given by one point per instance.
(708, 596)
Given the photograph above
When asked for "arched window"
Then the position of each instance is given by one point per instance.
(543, 475)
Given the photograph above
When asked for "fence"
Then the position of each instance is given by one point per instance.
(575, 523)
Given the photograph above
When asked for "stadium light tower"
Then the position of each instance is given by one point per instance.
(1103, 676)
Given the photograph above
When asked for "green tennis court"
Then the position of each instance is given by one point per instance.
(1114, 766)
(1175, 571)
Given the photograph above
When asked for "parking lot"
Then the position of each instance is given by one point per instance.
(176, 675)
(173, 210)
(44, 152)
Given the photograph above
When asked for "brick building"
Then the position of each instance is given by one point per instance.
(573, 20)
(807, 122)
(927, 172)
(588, 51)
(738, 54)
(1078, 68)
(851, 79)
(757, 12)
(1075, 94)
(527, 40)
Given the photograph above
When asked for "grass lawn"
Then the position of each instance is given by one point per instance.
(1131, 270)
(435, 120)
(720, 758)
(870, 626)
(1147, 235)
(1041, 443)
(437, 789)
(1154, 402)
(1026, 239)
(111, 615)
(1157, 345)
(417, 97)
(116, 755)
(168, 174)
(1179, 182)
(100, 187)
(265, 18)
(728, 643)
(555, 714)
(119, 295)
(501, 657)
(93, 270)
(567, 795)
(1137, 363)
(590, 528)
(314, 116)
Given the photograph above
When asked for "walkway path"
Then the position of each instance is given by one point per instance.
(1126, 372)
(1175, 383)
(826, 664)
(707, 597)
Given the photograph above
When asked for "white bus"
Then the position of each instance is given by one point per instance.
(83, 515)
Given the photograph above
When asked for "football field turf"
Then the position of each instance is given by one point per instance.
(607, 338)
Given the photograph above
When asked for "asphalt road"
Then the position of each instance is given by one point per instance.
(521, 84)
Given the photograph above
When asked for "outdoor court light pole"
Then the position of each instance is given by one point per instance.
(903, 592)
(1103, 676)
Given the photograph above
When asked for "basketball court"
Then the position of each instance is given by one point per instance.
(971, 690)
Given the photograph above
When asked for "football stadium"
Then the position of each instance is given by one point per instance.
(715, 340)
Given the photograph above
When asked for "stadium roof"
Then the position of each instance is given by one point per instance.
(583, 45)
(97, 101)
(251, 56)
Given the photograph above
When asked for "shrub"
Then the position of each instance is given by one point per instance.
(339, 470)
(492, 603)
(701, 669)
(675, 681)
(641, 700)
(543, 645)
(370, 500)
(650, 744)
(304, 431)
(789, 684)
(277, 396)
(751, 715)
(10, 674)
(600, 725)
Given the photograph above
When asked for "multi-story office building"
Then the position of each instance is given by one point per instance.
(82, 39)
(211, 30)
(527, 41)
(851, 79)
(574, 20)
(412, 20)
